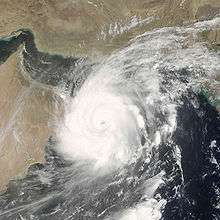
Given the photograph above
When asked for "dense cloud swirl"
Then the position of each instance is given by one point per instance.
(103, 123)
(138, 140)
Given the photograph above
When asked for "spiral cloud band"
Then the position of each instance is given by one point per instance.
(126, 105)
(103, 123)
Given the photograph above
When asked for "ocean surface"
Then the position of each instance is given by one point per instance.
(139, 138)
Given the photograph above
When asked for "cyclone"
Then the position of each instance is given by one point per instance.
(103, 123)
(139, 139)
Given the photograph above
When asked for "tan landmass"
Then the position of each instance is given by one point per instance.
(27, 112)
(27, 115)
(75, 27)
